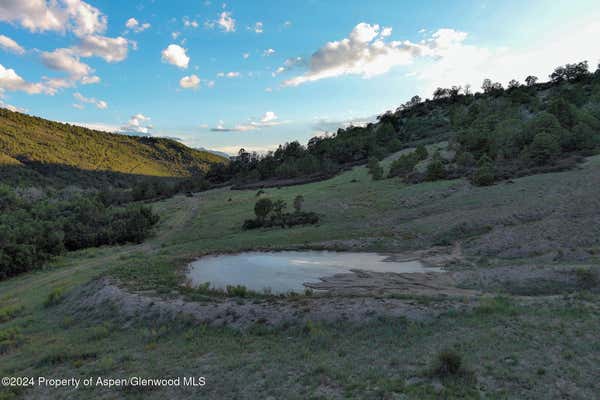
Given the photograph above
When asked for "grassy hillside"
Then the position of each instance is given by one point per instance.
(37, 150)
(530, 337)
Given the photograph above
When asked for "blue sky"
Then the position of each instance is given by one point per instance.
(253, 74)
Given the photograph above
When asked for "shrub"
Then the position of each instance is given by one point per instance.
(404, 164)
(375, 169)
(237, 290)
(484, 175)
(447, 363)
(435, 169)
(543, 149)
(262, 208)
(54, 297)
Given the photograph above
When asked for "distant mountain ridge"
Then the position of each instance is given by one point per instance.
(39, 150)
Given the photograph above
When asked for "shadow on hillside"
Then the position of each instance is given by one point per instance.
(34, 173)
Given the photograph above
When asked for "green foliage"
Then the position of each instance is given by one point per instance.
(544, 148)
(447, 363)
(39, 151)
(262, 208)
(421, 152)
(54, 297)
(34, 232)
(484, 175)
(435, 169)
(375, 169)
(278, 217)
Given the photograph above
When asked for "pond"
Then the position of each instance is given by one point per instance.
(287, 271)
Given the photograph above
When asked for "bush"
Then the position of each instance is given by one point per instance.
(484, 175)
(54, 297)
(447, 363)
(543, 149)
(262, 208)
(435, 169)
(375, 169)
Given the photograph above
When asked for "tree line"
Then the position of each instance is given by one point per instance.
(34, 231)
(495, 133)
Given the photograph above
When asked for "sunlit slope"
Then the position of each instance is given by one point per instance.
(31, 142)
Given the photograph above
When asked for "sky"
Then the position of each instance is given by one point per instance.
(255, 74)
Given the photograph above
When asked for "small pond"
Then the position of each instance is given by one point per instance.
(286, 271)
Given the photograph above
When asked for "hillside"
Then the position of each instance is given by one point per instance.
(37, 150)
(495, 134)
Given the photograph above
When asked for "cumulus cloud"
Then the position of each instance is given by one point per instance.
(137, 124)
(135, 26)
(190, 82)
(268, 52)
(365, 52)
(9, 44)
(175, 54)
(269, 119)
(246, 56)
(109, 49)
(11, 81)
(66, 60)
(100, 104)
(459, 63)
(58, 15)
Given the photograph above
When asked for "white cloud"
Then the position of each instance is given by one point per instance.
(175, 35)
(109, 49)
(189, 82)
(460, 64)
(137, 124)
(269, 119)
(135, 26)
(234, 150)
(88, 80)
(56, 15)
(11, 81)
(232, 74)
(8, 44)
(100, 104)
(366, 53)
(189, 23)
(78, 106)
(386, 31)
(210, 84)
(268, 90)
(246, 56)
(226, 22)
(11, 107)
(287, 24)
(268, 52)
(175, 54)
(98, 126)
(258, 27)
(66, 60)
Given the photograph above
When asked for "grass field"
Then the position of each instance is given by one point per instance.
(512, 346)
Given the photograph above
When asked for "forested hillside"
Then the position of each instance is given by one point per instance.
(493, 134)
(35, 150)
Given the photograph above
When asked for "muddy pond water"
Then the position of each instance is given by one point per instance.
(287, 271)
